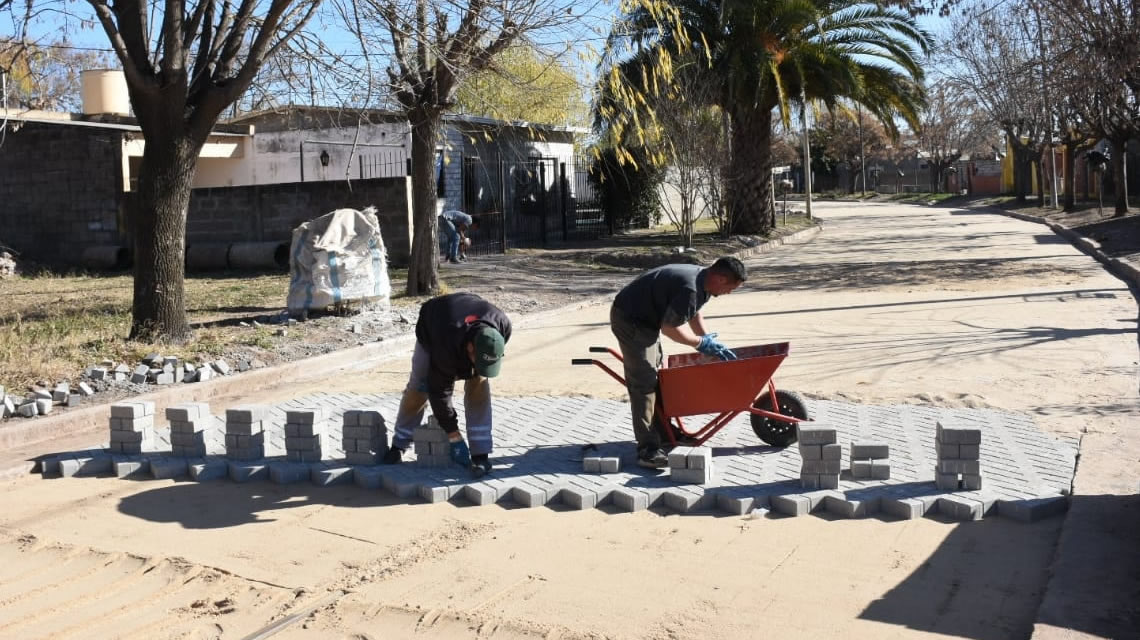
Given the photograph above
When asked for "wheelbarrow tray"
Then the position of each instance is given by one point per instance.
(696, 384)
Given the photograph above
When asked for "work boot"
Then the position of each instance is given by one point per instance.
(394, 456)
(652, 458)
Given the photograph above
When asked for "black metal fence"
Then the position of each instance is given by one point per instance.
(530, 203)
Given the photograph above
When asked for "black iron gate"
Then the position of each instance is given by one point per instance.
(530, 203)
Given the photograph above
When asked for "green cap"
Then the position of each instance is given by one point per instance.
(489, 347)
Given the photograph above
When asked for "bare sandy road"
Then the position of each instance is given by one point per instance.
(888, 304)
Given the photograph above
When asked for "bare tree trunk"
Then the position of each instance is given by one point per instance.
(165, 180)
(423, 267)
(1070, 157)
(1119, 180)
(750, 195)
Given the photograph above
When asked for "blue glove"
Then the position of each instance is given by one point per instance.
(711, 347)
(460, 454)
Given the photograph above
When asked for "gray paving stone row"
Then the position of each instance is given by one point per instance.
(541, 443)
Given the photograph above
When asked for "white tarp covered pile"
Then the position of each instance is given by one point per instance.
(338, 257)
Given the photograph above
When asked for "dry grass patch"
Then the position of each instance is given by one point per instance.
(52, 326)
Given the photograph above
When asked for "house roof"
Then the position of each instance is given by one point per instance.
(112, 122)
(389, 115)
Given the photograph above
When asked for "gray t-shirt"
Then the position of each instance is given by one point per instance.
(671, 295)
(457, 217)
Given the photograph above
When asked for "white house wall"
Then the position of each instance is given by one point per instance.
(279, 155)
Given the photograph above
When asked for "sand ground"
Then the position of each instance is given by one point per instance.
(888, 304)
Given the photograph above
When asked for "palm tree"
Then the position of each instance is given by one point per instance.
(766, 56)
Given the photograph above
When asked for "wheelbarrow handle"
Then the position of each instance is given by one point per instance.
(599, 350)
(582, 361)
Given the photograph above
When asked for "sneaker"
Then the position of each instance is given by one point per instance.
(480, 464)
(652, 458)
(463, 258)
(453, 261)
(394, 456)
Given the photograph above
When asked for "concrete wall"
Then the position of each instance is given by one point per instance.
(60, 190)
(271, 212)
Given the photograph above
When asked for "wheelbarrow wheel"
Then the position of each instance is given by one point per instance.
(776, 432)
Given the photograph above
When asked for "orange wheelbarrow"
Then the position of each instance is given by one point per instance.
(694, 384)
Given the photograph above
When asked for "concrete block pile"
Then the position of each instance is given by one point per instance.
(820, 456)
(601, 464)
(959, 458)
(365, 436)
(40, 401)
(245, 432)
(691, 465)
(305, 433)
(132, 427)
(194, 431)
(870, 461)
(431, 446)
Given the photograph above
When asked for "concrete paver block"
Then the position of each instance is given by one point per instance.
(578, 497)
(971, 481)
(880, 470)
(132, 409)
(815, 433)
(829, 481)
(969, 451)
(691, 476)
(246, 413)
(867, 450)
(831, 452)
(188, 412)
(699, 458)
(528, 496)
(305, 416)
(168, 467)
(1034, 509)
(792, 504)
(591, 464)
(959, 466)
(288, 472)
(132, 468)
(242, 471)
(480, 494)
(327, 475)
(809, 480)
(679, 457)
(628, 499)
(206, 469)
(367, 477)
(861, 469)
(821, 466)
(609, 464)
(811, 451)
(846, 507)
(946, 481)
(685, 502)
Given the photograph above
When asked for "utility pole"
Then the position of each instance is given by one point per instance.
(807, 158)
(1045, 98)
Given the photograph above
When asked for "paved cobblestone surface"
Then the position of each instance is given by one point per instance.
(540, 443)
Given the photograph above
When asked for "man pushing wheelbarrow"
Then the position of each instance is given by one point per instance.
(666, 300)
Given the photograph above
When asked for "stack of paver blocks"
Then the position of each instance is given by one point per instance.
(601, 464)
(245, 433)
(430, 441)
(365, 436)
(821, 457)
(132, 427)
(959, 455)
(870, 461)
(305, 433)
(193, 430)
(693, 465)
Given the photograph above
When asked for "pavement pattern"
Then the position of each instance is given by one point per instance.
(540, 443)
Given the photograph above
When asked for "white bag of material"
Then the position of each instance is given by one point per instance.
(338, 257)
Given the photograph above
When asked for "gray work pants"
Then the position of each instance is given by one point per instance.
(642, 355)
(476, 405)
